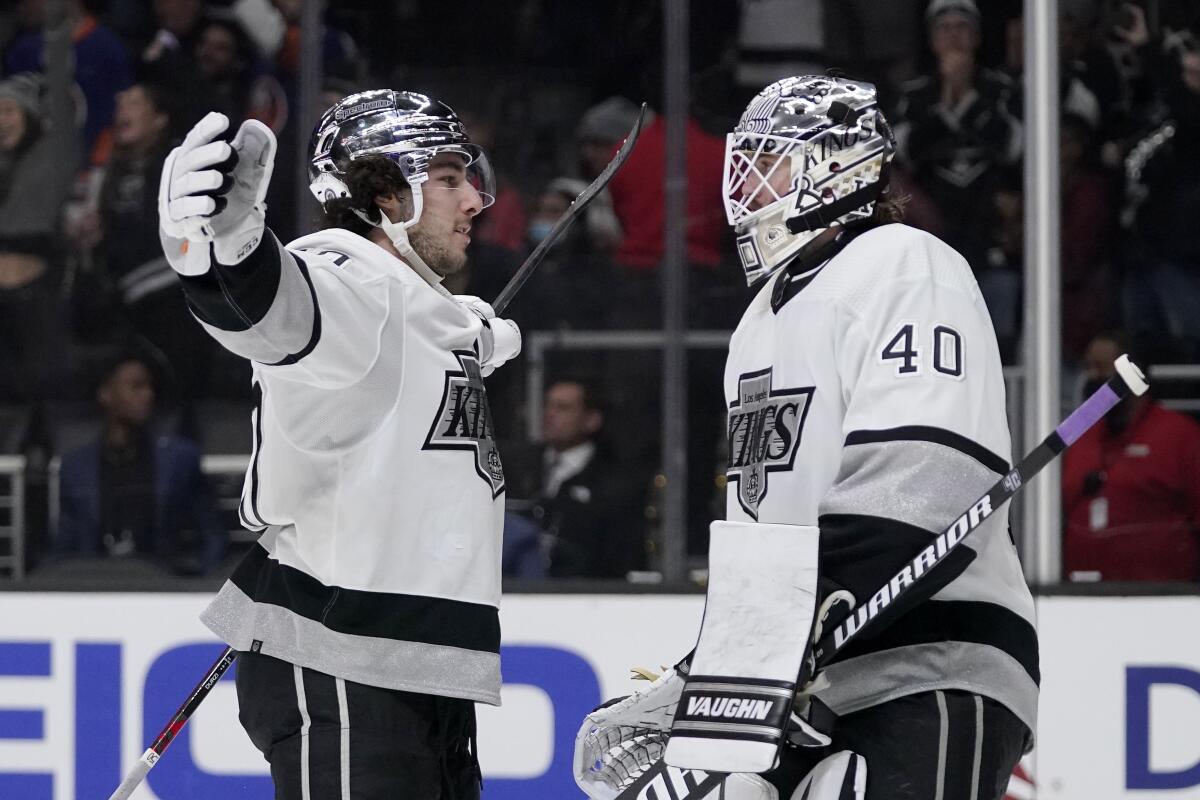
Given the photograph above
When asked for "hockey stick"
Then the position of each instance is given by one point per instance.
(1127, 380)
(154, 752)
(581, 202)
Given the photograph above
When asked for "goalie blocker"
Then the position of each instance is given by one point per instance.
(738, 696)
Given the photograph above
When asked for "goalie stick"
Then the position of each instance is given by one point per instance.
(580, 203)
(1127, 381)
(137, 773)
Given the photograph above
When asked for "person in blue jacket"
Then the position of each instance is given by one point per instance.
(135, 492)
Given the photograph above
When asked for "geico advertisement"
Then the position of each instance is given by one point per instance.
(87, 680)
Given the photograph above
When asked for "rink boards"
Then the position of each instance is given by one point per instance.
(87, 679)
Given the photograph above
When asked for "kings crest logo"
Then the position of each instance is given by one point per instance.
(764, 434)
(464, 421)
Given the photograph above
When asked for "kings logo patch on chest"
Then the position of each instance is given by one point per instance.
(764, 434)
(464, 421)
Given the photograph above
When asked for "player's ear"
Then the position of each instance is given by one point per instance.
(389, 205)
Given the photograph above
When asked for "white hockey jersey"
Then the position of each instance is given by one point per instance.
(375, 477)
(865, 396)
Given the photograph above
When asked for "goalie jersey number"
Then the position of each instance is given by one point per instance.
(764, 434)
(904, 351)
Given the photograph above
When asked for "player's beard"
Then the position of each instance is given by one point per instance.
(434, 251)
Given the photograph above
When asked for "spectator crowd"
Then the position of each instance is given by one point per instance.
(103, 372)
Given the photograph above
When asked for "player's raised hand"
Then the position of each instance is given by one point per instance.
(212, 191)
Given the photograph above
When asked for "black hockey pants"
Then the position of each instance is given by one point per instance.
(332, 739)
(946, 745)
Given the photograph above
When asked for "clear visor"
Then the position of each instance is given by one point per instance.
(414, 162)
(479, 171)
(760, 171)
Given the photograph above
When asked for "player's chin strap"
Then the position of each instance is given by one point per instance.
(397, 233)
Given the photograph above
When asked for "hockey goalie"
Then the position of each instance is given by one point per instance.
(866, 410)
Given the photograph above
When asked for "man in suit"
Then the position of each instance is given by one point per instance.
(133, 492)
(590, 509)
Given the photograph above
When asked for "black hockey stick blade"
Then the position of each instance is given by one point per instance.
(1127, 380)
(581, 202)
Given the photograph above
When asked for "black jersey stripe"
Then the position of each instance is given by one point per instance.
(235, 298)
(316, 325)
(860, 553)
(256, 520)
(405, 617)
(928, 433)
(975, 622)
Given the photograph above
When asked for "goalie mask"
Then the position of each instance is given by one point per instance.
(408, 129)
(808, 152)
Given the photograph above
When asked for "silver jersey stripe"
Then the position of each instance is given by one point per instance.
(875, 678)
(929, 486)
(916, 482)
(305, 725)
(387, 663)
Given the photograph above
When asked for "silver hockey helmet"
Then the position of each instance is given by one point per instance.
(808, 152)
(408, 128)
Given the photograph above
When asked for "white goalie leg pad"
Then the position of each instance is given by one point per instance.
(762, 592)
(841, 776)
(745, 786)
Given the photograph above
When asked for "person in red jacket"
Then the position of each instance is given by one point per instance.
(1131, 488)
(637, 200)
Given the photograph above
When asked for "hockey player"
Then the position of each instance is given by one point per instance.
(866, 412)
(366, 617)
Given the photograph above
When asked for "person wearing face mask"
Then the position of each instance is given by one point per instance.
(366, 618)
(1131, 487)
(571, 291)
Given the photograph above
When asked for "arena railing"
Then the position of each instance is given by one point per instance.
(227, 470)
(12, 516)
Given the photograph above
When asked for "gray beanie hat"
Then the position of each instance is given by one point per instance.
(965, 7)
(608, 121)
(25, 88)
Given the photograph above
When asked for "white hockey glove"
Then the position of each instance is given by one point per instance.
(499, 340)
(618, 742)
(212, 191)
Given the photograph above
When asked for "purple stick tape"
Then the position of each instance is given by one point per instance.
(1087, 414)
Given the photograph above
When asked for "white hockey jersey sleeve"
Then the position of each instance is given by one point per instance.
(300, 316)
